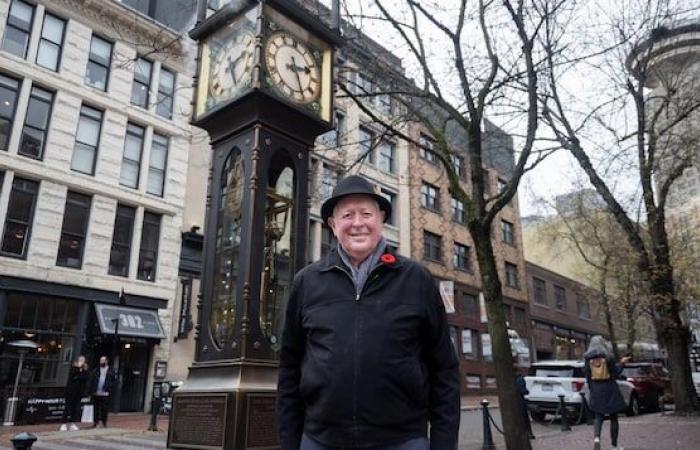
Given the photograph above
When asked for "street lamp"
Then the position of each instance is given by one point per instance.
(23, 347)
(115, 358)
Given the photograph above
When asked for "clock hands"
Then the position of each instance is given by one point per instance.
(232, 65)
(294, 68)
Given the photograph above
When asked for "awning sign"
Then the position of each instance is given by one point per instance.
(447, 292)
(132, 321)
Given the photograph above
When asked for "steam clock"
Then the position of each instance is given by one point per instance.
(264, 92)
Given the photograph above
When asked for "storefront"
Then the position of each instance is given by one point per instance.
(67, 321)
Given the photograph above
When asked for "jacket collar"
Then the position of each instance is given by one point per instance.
(333, 261)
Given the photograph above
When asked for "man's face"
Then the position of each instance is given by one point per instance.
(357, 224)
(103, 361)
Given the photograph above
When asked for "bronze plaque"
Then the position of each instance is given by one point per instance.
(261, 422)
(198, 421)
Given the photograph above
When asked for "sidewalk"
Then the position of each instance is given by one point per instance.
(646, 432)
(117, 424)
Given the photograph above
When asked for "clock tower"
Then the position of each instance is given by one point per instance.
(264, 93)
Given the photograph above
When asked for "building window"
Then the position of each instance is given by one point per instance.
(459, 212)
(486, 350)
(426, 150)
(148, 252)
(512, 275)
(392, 200)
(367, 144)
(120, 252)
(49, 53)
(329, 178)
(458, 164)
(36, 123)
(386, 157)
(460, 257)
(142, 82)
(384, 104)
(334, 137)
(519, 318)
(430, 197)
(156, 168)
(559, 298)
(584, 307)
(73, 231)
(539, 291)
(507, 232)
(87, 139)
(432, 246)
(20, 213)
(487, 181)
(131, 161)
(166, 93)
(473, 381)
(9, 89)
(326, 240)
(470, 340)
(471, 305)
(99, 61)
(364, 84)
(18, 29)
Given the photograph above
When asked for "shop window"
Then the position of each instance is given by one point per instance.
(20, 213)
(166, 93)
(512, 275)
(131, 160)
(430, 197)
(36, 123)
(559, 298)
(148, 252)
(99, 62)
(460, 257)
(507, 232)
(142, 82)
(391, 196)
(386, 157)
(51, 41)
(9, 90)
(18, 29)
(156, 167)
(73, 231)
(121, 241)
(432, 246)
(87, 139)
(459, 211)
(539, 291)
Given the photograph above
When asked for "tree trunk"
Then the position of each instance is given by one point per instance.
(605, 300)
(509, 404)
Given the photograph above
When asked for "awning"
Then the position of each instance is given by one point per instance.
(135, 322)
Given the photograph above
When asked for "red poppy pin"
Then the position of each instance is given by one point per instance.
(387, 258)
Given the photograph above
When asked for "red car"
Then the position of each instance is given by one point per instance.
(651, 382)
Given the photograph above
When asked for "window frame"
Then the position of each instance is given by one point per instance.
(512, 278)
(367, 150)
(431, 242)
(152, 168)
(161, 92)
(382, 156)
(10, 120)
(426, 197)
(60, 44)
(142, 137)
(122, 245)
(27, 223)
(155, 220)
(391, 198)
(560, 301)
(136, 81)
(582, 299)
(108, 67)
(539, 282)
(45, 132)
(426, 151)
(82, 235)
(459, 211)
(507, 232)
(96, 147)
(461, 252)
(15, 26)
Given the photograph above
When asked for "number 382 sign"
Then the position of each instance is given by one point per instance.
(132, 321)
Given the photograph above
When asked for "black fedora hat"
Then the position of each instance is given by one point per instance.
(353, 185)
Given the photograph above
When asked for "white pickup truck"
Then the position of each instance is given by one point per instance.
(548, 379)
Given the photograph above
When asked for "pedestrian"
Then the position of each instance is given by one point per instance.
(521, 389)
(366, 359)
(101, 387)
(78, 378)
(605, 399)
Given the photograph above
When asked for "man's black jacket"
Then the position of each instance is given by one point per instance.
(369, 368)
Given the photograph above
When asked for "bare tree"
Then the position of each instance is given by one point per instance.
(472, 60)
(654, 142)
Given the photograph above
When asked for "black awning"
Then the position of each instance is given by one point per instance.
(134, 322)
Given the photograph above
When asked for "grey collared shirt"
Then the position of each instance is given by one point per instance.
(361, 273)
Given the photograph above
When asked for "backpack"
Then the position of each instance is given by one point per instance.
(599, 369)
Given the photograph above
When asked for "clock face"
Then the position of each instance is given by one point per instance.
(293, 68)
(231, 67)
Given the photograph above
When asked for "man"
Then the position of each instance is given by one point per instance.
(366, 359)
(101, 386)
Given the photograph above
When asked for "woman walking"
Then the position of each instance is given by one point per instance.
(75, 389)
(601, 372)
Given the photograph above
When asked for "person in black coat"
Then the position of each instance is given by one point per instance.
(78, 378)
(521, 389)
(605, 399)
(102, 385)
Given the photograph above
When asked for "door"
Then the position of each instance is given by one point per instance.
(134, 358)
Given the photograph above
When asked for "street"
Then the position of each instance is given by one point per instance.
(646, 432)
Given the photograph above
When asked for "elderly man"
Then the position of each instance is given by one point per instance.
(366, 359)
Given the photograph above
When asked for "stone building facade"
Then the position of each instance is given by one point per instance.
(95, 138)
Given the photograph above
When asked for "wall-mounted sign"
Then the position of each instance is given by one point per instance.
(486, 347)
(161, 369)
(132, 321)
(447, 292)
(483, 316)
(467, 342)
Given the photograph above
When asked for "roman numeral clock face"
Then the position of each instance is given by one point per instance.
(231, 68)
(293, 68)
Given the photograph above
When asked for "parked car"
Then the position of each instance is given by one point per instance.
(548, 379)
(651, 382)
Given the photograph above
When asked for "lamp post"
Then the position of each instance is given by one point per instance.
(23, 347)
(116, 360)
